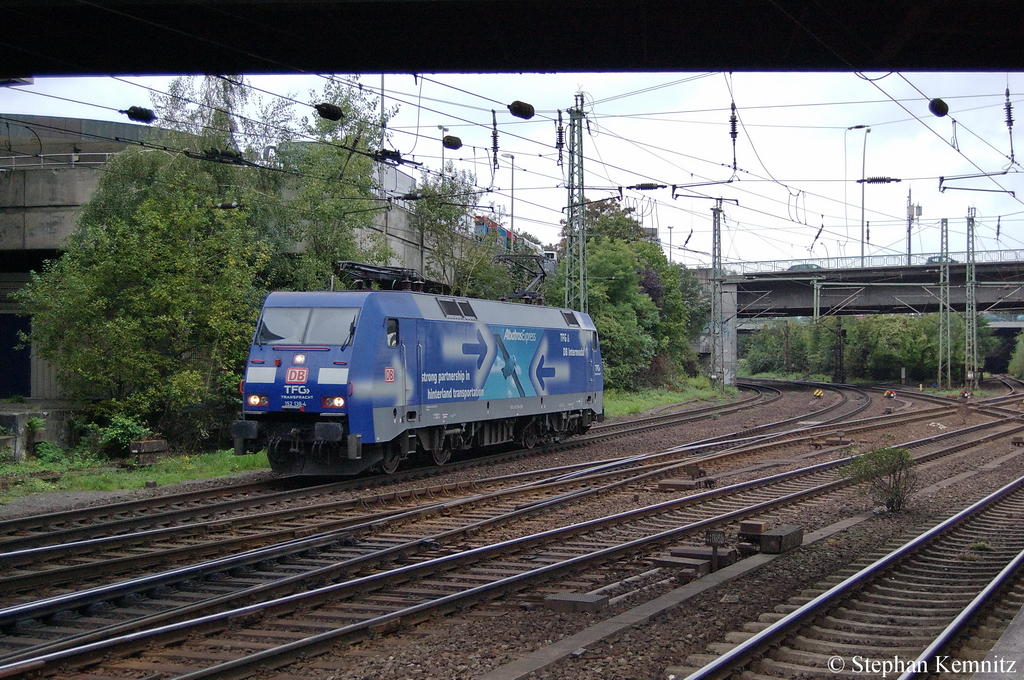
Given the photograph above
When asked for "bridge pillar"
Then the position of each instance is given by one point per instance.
(729, 334)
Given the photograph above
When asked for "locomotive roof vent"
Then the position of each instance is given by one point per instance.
(452, 307)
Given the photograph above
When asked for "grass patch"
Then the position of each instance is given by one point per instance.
(91, 474)
(619, 403)
(167, 471)
(53, 469)
(782, 375)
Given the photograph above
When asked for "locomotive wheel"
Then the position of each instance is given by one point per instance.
(531, 436)
(276, 450)
(442, 455)
(392, 457)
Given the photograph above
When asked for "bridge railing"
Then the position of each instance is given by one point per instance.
(806, 266)
(53, 160)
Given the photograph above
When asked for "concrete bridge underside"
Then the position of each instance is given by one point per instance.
(888, 290)
(881, 290)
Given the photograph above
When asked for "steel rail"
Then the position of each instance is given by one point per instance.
(705, 495)
(404, 573)
(726, 664)
(943, 640)
(40, 608)
(50, 576)
(72, 525)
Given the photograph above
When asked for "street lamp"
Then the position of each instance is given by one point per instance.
(863, 166)
(670, 244)
(512, 226)
(866, 180)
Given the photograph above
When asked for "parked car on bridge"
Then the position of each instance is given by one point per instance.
(939, 259)
(801, 267)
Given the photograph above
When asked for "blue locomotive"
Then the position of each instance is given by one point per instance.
(338, 382)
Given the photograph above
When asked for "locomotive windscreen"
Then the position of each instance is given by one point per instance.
(307, 326)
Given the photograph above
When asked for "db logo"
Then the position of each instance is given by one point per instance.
(296, 375)
(389, 374)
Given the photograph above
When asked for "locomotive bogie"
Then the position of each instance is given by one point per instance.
(341, 382)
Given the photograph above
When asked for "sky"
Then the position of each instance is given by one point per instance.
(789, 183)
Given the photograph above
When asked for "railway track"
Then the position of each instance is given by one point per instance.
(557, 556)
(438, 575)
(140, 515)
(43, 562)
(900, 613)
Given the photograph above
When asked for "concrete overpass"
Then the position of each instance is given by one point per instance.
(891, 284)
(885, 285)
(63, 37)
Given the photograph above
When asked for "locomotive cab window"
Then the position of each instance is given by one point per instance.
(392, 332)
(570, 319)
(307, 326)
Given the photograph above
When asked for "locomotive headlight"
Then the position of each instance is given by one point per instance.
(258, 400)
(334, 402)
(299, 359)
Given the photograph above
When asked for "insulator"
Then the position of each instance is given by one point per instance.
(1009, 110)
(647, 186)
(329, 111)
(389, 155)
(521, 110)
(938, 107)
(733, 119)
(998, 220)
(494, 137)
(140, 114)
(451, 142)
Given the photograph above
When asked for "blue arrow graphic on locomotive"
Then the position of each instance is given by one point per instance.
(479, 348)
(542, 373)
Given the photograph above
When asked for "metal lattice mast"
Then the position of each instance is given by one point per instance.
(717, 320)
(575, 227)
(945, 334)
(971, 312)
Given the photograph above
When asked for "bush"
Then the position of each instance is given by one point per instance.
(48, 452)
(115, 437)
(889, 473)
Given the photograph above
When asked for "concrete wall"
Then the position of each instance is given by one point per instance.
(44, 182)
(38, 206)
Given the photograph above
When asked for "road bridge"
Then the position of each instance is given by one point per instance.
(891, 284)
(883, 285)
(64, 37)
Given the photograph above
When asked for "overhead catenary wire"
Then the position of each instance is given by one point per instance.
(773, 215)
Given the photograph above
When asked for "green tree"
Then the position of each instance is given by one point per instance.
(334, 205)
(608, 219)
(457, 255)
(151, 307)
(1016, 367)
(877, 347)
(311, 200)
(648, 311)
(625, 316)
